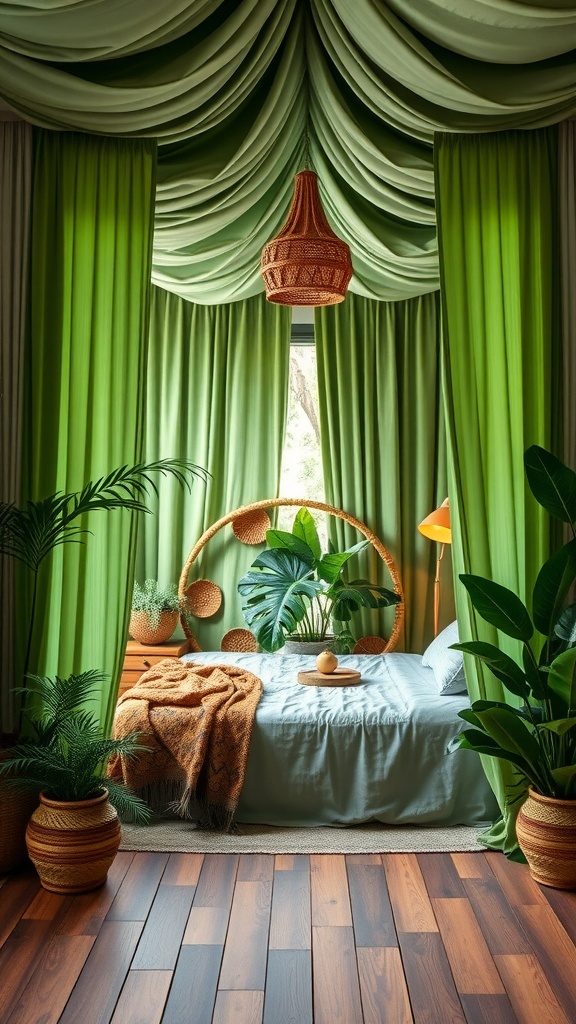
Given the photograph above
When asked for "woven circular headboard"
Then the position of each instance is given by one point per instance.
(249, 524)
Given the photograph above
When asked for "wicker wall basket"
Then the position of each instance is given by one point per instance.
(144, 632)
(72, 845)
(15, 811)
(546, 833)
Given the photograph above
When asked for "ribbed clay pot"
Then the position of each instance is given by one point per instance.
(546, 833)
(72, 844)
(144, 632)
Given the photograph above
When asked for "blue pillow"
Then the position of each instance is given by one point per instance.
(447, 665)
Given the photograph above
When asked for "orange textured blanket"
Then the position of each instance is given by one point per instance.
(197, 722)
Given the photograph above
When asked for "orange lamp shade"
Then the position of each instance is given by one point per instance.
(436, 526)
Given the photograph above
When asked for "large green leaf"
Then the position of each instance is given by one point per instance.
(562, 679)
(559, 726)
(499, 606)
(500, 664)
(275, 595)
(473, 739)
(349, 597)
(552, 585)
(552, 483)
(305, 529)
(281, 540)
(565, 628)
(330, 566)
(510, 732)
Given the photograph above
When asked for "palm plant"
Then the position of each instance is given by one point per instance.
(30, 534)
(68, 758)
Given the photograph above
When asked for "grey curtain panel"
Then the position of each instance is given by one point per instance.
(15, 201)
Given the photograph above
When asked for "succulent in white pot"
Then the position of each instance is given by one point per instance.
(155, 611)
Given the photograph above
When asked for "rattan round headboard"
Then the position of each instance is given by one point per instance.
(252, 530)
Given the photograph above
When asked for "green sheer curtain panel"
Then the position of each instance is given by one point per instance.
(217, 393)
(230, 88)
(383, 445)
(499, 264)
(93, 205)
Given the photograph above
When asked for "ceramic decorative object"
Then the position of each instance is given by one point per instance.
(142, 630)
(546, 833)
(72, 844)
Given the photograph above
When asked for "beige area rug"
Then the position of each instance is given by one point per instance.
(184, 837)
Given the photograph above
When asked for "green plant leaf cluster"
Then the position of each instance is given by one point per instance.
(68, 757)
(292, 589)
(539, 737)
(152, 599)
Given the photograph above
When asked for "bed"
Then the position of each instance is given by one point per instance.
(345, 755)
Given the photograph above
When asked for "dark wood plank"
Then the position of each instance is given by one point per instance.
(55, 974)
(432, 992)
(238, 1008)
(183, 869)
(18, 958)
(288, 994)
(555, 951)
(143, 998)
(194, 985)
(292, 862)
(408, 895)
(471, 865)
(255, 867)
(290, 918)
(440, 875)
(564, 906)
(372, 916)
(488, 1010)
(160, 941)
(528, 989)
(385, 998)
(207, 926)
(500, 926)
(469, 957)
(18, 891)
(329, 891)
(216, 882)
(245, 950)
(94, 997)
(46, 906)
(335, 976)
(515, 880)
(88, 910)
(138, 888)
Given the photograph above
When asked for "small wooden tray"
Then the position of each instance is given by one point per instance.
(340, 677)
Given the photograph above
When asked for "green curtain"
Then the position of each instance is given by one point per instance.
(499, 267)
(91, 256)
(217, 394)
(231, 90)
(383, 445)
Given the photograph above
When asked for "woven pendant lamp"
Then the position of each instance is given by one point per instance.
(306, 264)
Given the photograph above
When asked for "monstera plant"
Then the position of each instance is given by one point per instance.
(292, 590)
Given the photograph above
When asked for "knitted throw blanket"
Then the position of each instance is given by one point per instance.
(196, 721)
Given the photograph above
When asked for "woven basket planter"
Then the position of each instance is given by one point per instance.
(15, 811)
(546, 833)
(309, 646)
(142, 630)
(73, 844)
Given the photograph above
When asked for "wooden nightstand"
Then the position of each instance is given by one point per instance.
(140, 657)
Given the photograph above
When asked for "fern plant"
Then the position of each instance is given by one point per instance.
(68, 759)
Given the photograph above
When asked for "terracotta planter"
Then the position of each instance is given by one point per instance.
(72, 844)
(144, 632)
(546, 833)
(15, 811)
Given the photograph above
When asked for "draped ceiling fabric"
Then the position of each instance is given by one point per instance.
(228, 88)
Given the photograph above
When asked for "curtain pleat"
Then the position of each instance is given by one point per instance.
(93, 201)
(567, 217)
(217, 394)
(499, 270)
(383, 445)
(15, 201)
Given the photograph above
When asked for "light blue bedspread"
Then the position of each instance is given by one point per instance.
(344, 755)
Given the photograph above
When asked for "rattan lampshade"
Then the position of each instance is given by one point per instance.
(306, 264)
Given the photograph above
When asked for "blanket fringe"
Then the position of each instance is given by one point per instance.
(169, 797)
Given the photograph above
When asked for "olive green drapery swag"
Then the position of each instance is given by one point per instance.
(229, 88)
(91, 258)
(217, 393)
(383, 444)
(15, 201)
(499, 268)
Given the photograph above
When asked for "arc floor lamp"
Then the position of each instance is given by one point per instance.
(436, 527)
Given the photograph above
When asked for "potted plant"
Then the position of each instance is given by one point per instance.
(294, 595)
(155, 612)
(29, 535)
(537, 737)
(74, 835)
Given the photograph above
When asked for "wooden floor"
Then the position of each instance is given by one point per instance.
(192, 939)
